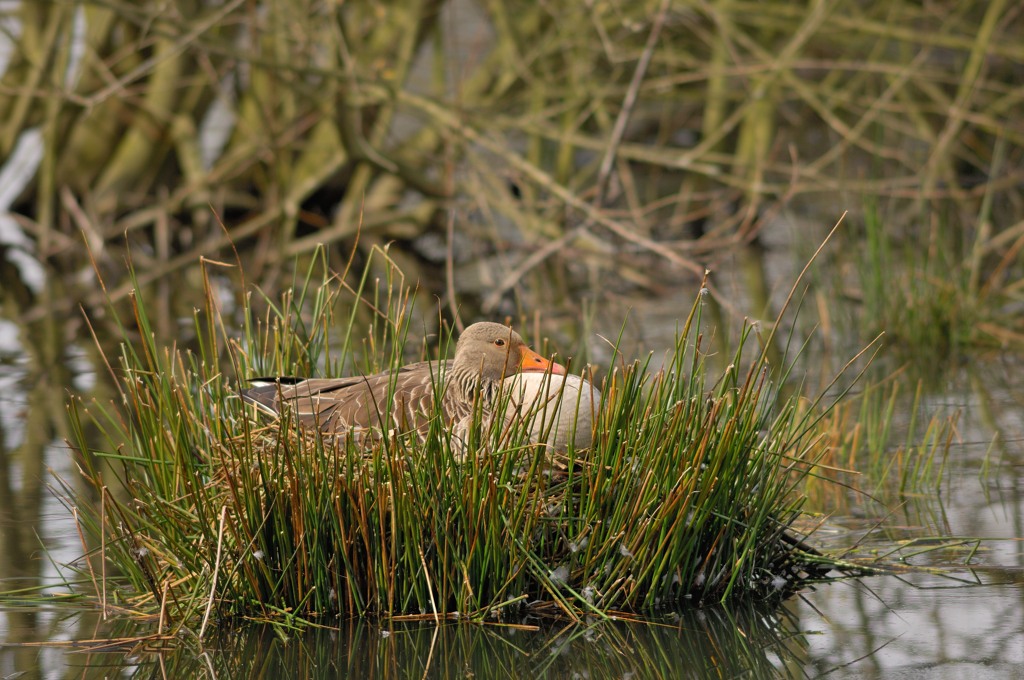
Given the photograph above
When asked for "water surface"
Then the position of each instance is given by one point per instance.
(963, 617)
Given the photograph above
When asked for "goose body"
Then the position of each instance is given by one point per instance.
(404, 400)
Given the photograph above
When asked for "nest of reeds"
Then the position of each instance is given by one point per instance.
(441, 529)
(686, 494)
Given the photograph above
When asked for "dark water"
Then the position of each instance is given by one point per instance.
(963, 617)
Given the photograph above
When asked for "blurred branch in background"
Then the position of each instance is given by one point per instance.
(676, 131)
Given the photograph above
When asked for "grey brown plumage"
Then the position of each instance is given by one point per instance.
(403, 400)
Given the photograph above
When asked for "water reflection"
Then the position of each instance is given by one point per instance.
(709, 643)
(960, 625)
(909, 626)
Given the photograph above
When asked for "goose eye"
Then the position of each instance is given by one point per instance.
(499, 342)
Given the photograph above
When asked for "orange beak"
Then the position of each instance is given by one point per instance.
(535, 363)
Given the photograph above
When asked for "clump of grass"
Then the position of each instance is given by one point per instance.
(871, 453)
(687, 495)
(938, 292)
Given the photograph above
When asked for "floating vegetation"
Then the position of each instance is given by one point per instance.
(688, 493)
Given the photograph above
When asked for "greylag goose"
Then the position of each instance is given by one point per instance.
(485, 355)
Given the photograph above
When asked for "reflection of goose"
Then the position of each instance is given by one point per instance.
(558, 408)
(484, 355)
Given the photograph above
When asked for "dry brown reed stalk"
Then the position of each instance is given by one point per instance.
(699, 129)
